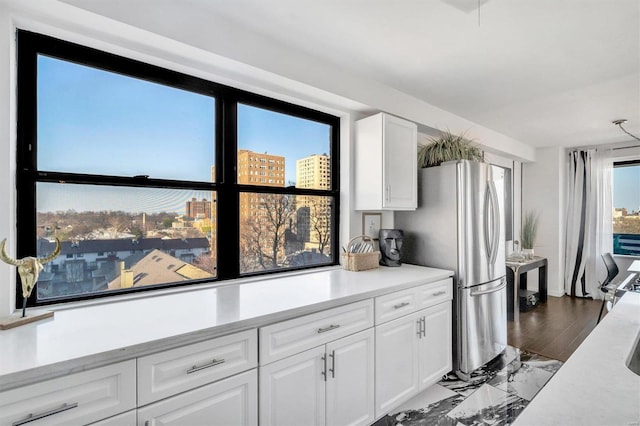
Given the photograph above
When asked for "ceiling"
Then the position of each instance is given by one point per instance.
(543, 72)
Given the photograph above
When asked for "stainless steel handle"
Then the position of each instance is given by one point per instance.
(439, 293)
(424, 326)
(419, 332)
(323, 373)
(496, 222)
(333, 364)
(202, 367)
(33, 417)
(487, 212)
(325, 329)
(401, 305)
(493, 290)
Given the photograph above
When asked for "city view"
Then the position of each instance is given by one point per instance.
(626, 211)
(115, 237)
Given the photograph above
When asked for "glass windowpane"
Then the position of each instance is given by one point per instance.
(276, 149)
(280, 231)
(119, 237)
(87, 115)
(626, 210)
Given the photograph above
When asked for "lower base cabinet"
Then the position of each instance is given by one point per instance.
(412, 353)
(331, 384)
(232, 401)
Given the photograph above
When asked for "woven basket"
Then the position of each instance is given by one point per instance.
(360, 261)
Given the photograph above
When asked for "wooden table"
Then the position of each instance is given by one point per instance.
(517, 279)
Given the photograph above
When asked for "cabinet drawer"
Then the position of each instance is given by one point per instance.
(293, 336)
(228, 402)
(435, 293)
(74, 399)
(395, 305)
(167, 373)
(403, 302)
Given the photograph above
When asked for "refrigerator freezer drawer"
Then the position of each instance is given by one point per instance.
(482, 324)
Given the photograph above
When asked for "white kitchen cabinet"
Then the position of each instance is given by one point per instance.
(414, 349)
(331, 384)
(228, 402)
(75, 399)
(397, 375)
(170, 372)
(435, 345)
(386, 170)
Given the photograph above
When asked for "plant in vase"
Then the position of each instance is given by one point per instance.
(529, 231)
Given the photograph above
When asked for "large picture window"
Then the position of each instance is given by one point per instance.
(153, 178)
(626, 207)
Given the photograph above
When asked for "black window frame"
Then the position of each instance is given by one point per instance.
(30, 45)
(617, 164)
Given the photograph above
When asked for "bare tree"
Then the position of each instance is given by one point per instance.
(263, 234)
(320, 221)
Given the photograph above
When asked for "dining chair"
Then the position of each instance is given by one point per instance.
(612, 272)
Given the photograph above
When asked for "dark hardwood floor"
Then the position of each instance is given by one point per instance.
(556, 328)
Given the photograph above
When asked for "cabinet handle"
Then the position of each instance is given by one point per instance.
(324, 367)
(202, 367)
(331, 327)
(333, 364)
(424, 326)
(387, 192)
(439, 293)
(401, 305)
(419, 322)
(33, 417)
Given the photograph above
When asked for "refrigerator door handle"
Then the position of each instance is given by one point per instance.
(495, 210)
(488, 210)
(492, 290)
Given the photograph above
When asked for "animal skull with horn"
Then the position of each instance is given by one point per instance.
(29, 267)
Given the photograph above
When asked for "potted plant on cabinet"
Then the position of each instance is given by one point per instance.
(447, 147)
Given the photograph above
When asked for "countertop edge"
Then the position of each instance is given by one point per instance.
(75, 365)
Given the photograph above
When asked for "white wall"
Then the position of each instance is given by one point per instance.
(7, 165)
(543, 188)
(234, 57)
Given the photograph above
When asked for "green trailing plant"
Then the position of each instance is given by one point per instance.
(529, 230)
(447, 147)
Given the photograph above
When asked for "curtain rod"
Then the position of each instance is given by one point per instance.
(625, 147)
(600, 147)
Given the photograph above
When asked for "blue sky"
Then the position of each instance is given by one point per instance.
(626, 188)
(87, 116)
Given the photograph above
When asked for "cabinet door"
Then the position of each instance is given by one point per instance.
(74, 399)
(350, 380)
(232, 401)
(400, 175)
(396, 362)
(292, 390)
(435, 344)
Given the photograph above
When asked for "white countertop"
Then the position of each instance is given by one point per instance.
(85, 337)
(594, 386)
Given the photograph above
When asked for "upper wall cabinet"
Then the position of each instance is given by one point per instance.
(386, 175)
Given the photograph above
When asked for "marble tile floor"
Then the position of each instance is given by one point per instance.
(495, 394)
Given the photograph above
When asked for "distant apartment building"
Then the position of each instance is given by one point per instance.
(313, 172)
(622, 212)
(198, 209)
(258, 169)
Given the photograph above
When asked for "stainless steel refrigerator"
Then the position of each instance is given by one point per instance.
(459, 225)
